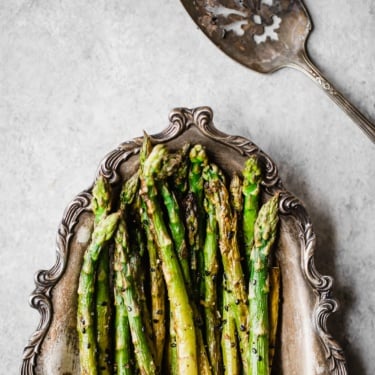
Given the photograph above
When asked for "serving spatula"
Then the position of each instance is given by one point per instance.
(266, 35)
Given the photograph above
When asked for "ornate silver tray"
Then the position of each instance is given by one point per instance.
(307, 347)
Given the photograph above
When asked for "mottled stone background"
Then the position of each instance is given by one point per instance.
(79, 77)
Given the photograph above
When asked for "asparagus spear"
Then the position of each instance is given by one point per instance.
(180, 177)
(157, 285)
(101, 198)
(198, 160)
(264, 237)
(142, 345)
(123, 347)
(229, 342)
(203, 360)
(102, 233)
(103, 314)
(202, 357)
(171, 366)
(157, 291)
(273, 310)
(129, 191)
(251, 189)
(172, 165)
(177, 229)
(235, 189)
(236, 200)
(145, 149)
(138, 256)
(178, 296)
(210, 288)
(101, 206)
(192, 225)
(141, 342)
(217, 193)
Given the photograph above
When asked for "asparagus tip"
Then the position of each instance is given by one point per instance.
(198, 155)
(101, 197)
(129, 190)
(252, 172)
(265, 226)
(235, 189)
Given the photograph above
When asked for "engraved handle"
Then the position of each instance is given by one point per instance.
(304, 64)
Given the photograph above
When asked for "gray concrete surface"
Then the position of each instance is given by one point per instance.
(79, 77)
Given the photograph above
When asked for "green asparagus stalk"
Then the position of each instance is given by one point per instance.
(236, 201)
(229, 342)
(177, 229)
(172, 358)
(141, 341)
(235, 189)
(101, 198)
(103, 314)
(157, 285)
(129, 191)
(218, 194)
(274, 300)
(192, 228)
(178, 296)
(143, 347)
(123, 341)
(123, 346)
(142, 350)
(211, 307)
(145, 149)
(252, 176)
(198, 160)
(203, 360)
(172, 163)
(180, 177)
(102, 233)
(138, 255)
(157, 293)
(101, 206)
(264, 237)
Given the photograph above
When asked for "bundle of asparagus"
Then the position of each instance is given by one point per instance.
(177, 278)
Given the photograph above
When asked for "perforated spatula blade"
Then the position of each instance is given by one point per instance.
(266, 35)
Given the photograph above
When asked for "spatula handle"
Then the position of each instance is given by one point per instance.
(304, 64)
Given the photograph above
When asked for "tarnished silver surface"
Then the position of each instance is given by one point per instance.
(305, 345)
(266, 35)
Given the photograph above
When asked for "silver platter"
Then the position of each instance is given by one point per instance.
(305, 345)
